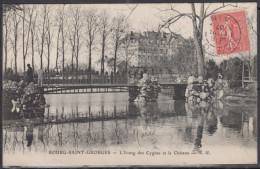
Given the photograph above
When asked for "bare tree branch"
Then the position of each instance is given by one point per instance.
(131, 11)
(217, 9)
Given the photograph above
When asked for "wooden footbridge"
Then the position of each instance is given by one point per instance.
(178, 88)
(84, 88)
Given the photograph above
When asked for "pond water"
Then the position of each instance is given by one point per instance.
(107, 121)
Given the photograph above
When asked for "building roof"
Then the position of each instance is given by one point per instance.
(153, 36)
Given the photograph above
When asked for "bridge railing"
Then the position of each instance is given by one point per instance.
(53, 78)
(250, 79)
(84, 79)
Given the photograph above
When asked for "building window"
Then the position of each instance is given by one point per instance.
(161, 51)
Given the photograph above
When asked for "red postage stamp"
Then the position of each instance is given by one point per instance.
(230, 30)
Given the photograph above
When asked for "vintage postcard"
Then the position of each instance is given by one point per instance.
(129, 84)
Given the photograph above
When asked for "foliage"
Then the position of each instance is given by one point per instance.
(211, 69)
(249, 90)
(23, 94)
(254, 67)
(198, 90)
(10, 7)
(232, 71)
(149, 88)
(10, 75)
(185, 60)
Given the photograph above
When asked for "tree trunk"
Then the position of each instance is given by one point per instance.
(77, 68)
(126, 62)
(103, 54)
(89, 63)
(43, 36)
(63, 52)
(200, 58)
(41, 63)
(126, 69)
(48, 66)
(72, 61)
(77, 58)
(243, 74)
(15, 55)
(197, 33)
(249, 69)
(6, 37)
(23, 42)
(32, 36)
(115, 58)
(57, 52)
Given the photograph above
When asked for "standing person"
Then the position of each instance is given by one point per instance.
(29, 73)
(29, 135)
(40, 77)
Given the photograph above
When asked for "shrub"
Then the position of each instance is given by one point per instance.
(232, 71)
(10, 75)
(212, 69)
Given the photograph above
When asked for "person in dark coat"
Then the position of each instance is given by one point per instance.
(29, 73)
(29, 135)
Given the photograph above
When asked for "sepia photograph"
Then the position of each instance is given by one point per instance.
(129, 84)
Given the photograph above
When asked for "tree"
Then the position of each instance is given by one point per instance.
(74, 36)
(6, 30)
(61, 24)
(57, 43)
(252, 26)
(184, 61)
(10, 7)
(91, 23)
(33, 31)
(211, 69)
(129, 50)
(42, 34)
(254, 67)
(118, 28)
(15, 30)
(49, 35)
(232, 71)
(26, 32)
(78, 28)
(197, 23)
(104, 29)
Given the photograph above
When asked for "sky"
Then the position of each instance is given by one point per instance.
(144, 17)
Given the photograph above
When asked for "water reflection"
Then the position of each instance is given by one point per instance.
(105, 122)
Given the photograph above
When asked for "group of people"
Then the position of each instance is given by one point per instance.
(29, 75)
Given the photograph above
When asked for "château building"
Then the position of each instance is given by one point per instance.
(150, 49)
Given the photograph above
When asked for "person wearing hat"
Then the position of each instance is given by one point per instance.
(29, 73)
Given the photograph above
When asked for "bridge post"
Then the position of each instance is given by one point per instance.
(179, 91)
